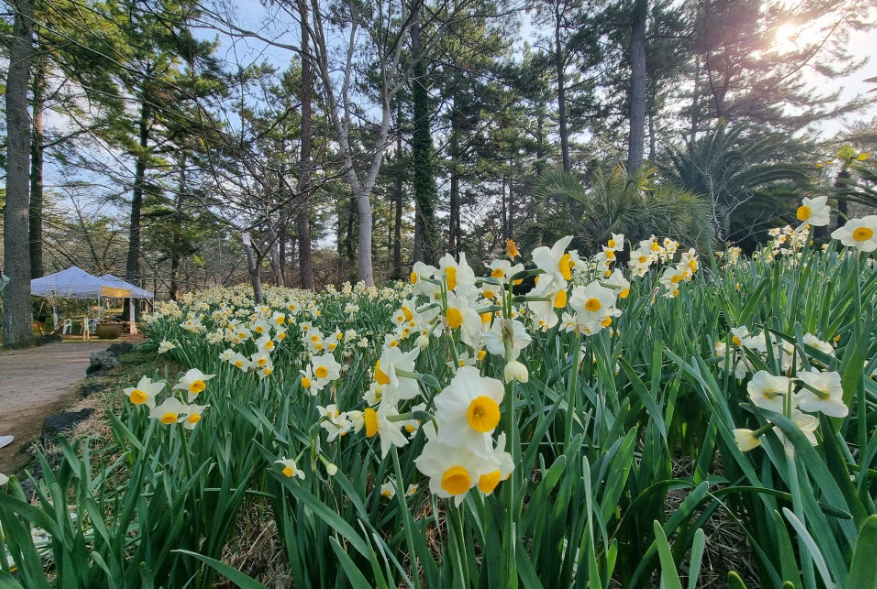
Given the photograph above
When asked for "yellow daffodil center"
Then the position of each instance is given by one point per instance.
(315, 338)
(259, 329)
(693, 265)
(288, 472)
(560, 300)
(410, 429)
(451, 277)
(261, 361)
(606, 322)
(486, 317)
(370, 417)
(394, 343)
(736, 341)
(414, 278)
(194, 418)
(654, 247)
(863, 234)
(804, 212)
(455, 318)
(593, 305)
(386, 493)
(380, 376)
(169, 418)
(488, 482)
(321, 372)
(481, 354)
(675, 278)
(611, 243)
(643, 259)
(407, 313)
(511, 249)
(497, 273)
(623, 294)
(138, 397)
(239, 363)
(564, 266)
(197, 386)
(456, 480)
(488, 294)
(269, 345)
(483, 414)
(305, 382)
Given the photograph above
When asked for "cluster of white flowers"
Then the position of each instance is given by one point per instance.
(783, 351)
(172, 410)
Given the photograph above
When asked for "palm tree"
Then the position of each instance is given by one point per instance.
(639, 204)
(739, 176)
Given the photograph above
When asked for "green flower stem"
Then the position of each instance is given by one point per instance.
(858, 333)
(572, 388)
(509, 494)
(458, 546)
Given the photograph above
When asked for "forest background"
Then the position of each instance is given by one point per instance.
(187, 144)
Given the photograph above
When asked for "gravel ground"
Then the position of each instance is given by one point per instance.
(35, 383)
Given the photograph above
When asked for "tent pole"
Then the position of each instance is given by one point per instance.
(133, 318)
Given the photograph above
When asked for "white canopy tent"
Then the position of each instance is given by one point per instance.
(75, 283)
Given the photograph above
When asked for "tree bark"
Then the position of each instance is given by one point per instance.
(254, 265)
(132, 265)
(636, 137)
(177, 242)
(561, 91)
(694, 102)
(425, 192)
(36, 170)
(304, 183)
(454, 195)
(17, 313)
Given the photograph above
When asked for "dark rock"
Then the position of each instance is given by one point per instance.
(91, 388)
(120, 348)
(102, 360)
(61, 422)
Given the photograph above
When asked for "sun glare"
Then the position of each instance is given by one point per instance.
(787, 38)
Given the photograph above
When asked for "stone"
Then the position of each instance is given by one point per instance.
(120, 348)
(101, 360)
(61, 422)
(91, 388)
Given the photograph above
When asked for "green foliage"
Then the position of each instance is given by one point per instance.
(741, 177)
(638, 205)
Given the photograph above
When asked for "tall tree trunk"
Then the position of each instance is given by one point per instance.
(304, 183)
(132, 265)
(36, 169)
(177, 242)
(399, 194)
(254, 269)
(561, 91)
(17, 318)
(425, 191)
(653, 144)
(364, 271)
(454, 196)
(636, 138)
(695, 114)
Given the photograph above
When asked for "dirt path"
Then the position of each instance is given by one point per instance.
(34, 384)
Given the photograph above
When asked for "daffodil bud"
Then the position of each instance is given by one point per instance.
(514, 370)
(746, 439)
